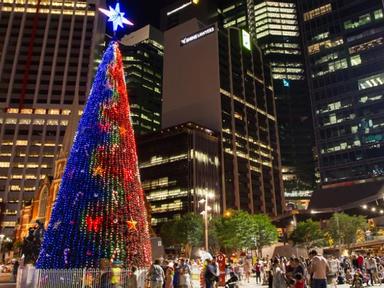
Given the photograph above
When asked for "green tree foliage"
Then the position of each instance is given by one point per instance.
(190, 229)
(168, 233)
(308, 234)
(264, 232)
(244, 231)
(187, 230)
(343, 228)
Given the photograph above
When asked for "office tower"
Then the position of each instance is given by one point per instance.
(179, 166)
(47, 57)
(343, 43)
(232, 14)
(217, 79)
(142, 52)
(40, 208)
(274, 24)
(226, 13)
(183, 10)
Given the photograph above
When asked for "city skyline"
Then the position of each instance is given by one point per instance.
(263, 55)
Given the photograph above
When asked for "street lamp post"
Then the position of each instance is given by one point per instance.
(2, 236)
(206, 221)
(205, 214)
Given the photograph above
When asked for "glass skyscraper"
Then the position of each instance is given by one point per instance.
(343, 43)
(143, 54)
(275, 26)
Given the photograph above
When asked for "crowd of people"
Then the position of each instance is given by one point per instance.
(316, 271)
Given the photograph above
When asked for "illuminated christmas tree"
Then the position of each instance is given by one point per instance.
(100, 211)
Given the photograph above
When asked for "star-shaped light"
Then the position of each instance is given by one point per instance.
(56, 225)
(98, 171)
(116, 17)
(132, 224)
(123, 131)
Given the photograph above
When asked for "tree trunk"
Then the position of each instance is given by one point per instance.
(260, 252)
(188, 250)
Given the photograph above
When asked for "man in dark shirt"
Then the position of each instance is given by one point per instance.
(211, 274)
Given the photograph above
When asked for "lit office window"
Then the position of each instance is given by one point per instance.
(362, 20)
(322, 10)
(365, 99)
(355, 60)
(372, 81)
(40, 111)
(366, 45)
(321, 36)
(317, 47)
(378, 14)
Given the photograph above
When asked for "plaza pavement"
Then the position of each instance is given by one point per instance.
(252, 284)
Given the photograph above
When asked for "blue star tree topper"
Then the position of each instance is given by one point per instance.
(116, 17)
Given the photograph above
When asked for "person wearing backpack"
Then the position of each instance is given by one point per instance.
(156, 275)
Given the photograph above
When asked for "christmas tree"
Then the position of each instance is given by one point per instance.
(100, 211)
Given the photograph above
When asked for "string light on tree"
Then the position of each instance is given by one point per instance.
(100, 211)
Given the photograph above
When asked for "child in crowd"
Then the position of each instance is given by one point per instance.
(299, 281)
(357, 281)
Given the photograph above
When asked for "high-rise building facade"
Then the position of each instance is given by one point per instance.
(142, 52)
(343, 43)
(232, 14)
(226, 13)
(275, 26)
(217, 79)
(179, 166)
(183, 10)
(46, 65)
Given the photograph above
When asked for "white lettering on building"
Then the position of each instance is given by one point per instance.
(197, 35)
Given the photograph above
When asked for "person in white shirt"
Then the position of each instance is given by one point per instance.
(371, 267)
(334, 268)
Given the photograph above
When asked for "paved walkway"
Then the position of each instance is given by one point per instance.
(252, 284)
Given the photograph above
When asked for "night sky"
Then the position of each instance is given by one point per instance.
(143, 12)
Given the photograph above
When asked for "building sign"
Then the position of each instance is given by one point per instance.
(286, 83)
(246, 40)
(197, 35)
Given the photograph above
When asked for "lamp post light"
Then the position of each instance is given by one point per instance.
(2, 236)
(205, 214)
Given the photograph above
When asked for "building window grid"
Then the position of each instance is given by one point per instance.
(26, 121)
(317, 12)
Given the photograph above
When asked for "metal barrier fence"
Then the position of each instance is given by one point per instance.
(29, 277)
